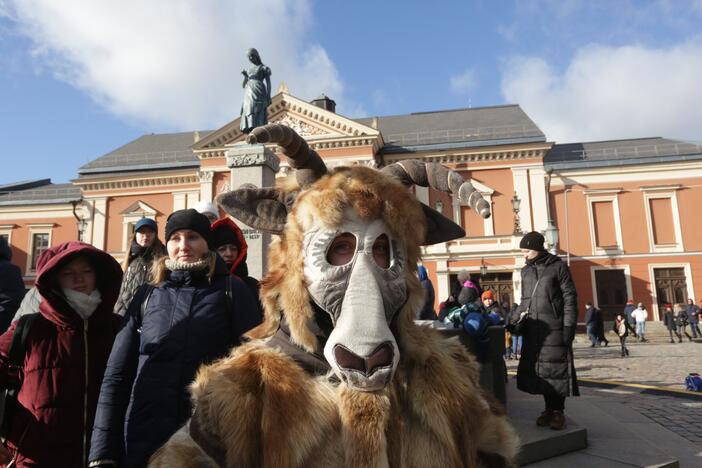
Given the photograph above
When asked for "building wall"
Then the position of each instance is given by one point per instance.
(115, 237)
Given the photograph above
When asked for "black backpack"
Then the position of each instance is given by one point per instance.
(8, 394)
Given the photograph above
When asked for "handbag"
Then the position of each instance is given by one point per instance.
(518, 327)
(8, 394)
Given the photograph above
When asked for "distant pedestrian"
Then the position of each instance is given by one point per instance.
(12, 288)
(591, 321)
(628, 311)
(693, 315)
(447, 306)
(208, 209)
(427, 312)
(516, 339)
(547, 318)
(622, 328)
(670, 322)
(640, 315)
(682, 321)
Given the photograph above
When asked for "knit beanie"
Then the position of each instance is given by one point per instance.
(222, 235)
(189, 219)
(533, 241)
(486, 295)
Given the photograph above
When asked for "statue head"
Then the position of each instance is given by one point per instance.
(253, 56)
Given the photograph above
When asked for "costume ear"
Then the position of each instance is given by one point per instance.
(265, 209)
(439, 227)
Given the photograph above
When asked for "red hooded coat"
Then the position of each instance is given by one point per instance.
(63, 367)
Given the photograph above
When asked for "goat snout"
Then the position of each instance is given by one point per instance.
(380, 358)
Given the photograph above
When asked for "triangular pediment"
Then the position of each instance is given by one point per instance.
(310, 121)
(139, 208)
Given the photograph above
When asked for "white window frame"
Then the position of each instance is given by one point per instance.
(627, 280)
(45, 228)
(651, 193)
(610, 196)
(652, 282)
(131, 215)
(6, 229)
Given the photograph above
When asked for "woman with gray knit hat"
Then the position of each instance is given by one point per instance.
(193, 314)
(546, 318)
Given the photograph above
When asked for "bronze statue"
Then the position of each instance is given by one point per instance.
(257, 94)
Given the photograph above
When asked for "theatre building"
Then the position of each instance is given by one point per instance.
(621, 213)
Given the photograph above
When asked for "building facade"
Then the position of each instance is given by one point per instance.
(624, 210)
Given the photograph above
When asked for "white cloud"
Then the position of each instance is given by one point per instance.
(612, 92)
(464, 82)
(175, 63)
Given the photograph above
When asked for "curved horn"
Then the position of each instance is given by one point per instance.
(309, 166)
(439, 177)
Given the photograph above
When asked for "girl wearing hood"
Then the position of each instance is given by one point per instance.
(66, 351)
(230, 244)
(194, 314)
(145, 249)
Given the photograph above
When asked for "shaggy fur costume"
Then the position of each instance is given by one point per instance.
(259, 408)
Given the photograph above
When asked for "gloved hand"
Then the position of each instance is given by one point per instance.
(568, 335)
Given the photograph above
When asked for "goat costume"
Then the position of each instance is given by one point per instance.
(338, 374)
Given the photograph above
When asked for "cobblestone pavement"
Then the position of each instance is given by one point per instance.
(657, 363)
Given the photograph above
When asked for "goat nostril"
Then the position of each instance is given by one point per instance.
(381, 357)
(347, 359)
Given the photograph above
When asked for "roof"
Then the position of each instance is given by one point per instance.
(475, 126)
(23, 185)
(620, 152)
(154, 151)
(49, 194)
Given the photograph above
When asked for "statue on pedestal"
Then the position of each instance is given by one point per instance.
(257, 93)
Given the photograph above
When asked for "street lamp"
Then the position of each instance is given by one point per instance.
(483, 267)
(515, 209)
(551, 235)
(439, 206)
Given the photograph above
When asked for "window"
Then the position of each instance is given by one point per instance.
(40, 242)
(662, 221)
(605, 225)
(603, 217)
(6, 237)
(662, 218)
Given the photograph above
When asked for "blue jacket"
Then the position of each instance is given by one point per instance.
(693, 312)
(144, 397)
(628, 310)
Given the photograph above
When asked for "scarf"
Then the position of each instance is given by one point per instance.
(175, 265)
(83, 304)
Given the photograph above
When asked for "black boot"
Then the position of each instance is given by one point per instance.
(626, 350)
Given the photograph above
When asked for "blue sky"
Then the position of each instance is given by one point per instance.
(78, 79)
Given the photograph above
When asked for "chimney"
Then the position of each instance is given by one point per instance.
(196, 136)
(374, 123)
(325, 103)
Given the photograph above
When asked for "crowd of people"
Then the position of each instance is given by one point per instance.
(108, 355)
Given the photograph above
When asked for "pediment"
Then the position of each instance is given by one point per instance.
(139, 208)
(310, 121)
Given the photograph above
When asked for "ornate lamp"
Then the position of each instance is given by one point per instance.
(483, 267)
(551, 235)
(515, 209)
(439, 206)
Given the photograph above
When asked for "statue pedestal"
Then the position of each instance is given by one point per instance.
(255, 165)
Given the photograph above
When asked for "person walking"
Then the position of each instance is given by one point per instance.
(693, 315)
(591, 323)
(516, 338)
(12, 288)
(68, 341)
(193, 314)
(640, 315)
(601, 338)
(144, 249)
(628, 311)
(670, 322)
(547, 318)
(682, 321)
(622, 328)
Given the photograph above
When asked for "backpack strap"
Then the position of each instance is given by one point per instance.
(19, 340)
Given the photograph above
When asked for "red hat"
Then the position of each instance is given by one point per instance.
(486, 295)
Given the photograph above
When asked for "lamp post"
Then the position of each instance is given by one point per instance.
(483, 268)
(551, 235)
(515, 209)
(439, 206)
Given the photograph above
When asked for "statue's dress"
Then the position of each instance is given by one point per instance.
(253, 108)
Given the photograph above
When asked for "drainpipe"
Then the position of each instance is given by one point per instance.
(78, 219)
(567, 226)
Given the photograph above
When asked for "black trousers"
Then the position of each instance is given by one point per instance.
(554, 402)
(622, 341)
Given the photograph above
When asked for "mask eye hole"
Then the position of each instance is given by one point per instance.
(381, 251)
(342, 249)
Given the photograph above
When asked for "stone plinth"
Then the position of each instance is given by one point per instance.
(253, 165)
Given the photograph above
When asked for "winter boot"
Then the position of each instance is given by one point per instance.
(558, 421)
(545, 418)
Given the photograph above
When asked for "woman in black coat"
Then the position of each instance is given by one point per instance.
(548, 294)
(193, 315)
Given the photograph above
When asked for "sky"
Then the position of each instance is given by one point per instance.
(79, 79)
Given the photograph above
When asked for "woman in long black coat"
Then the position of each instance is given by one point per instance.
(546, 366)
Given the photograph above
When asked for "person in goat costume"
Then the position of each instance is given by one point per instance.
(338, 374)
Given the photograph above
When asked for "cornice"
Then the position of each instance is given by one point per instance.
(483, 156)
(180, 179)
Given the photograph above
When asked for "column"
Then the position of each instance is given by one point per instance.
(206, 188)
(191, 198)
(179, 201)
(443, 286)
(422, 194)
(257, 165)
(521, 186)
(539, 198)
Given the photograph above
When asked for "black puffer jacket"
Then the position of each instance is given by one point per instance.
(546, 365)
(138, 272)
(144, 397)
(11, 286)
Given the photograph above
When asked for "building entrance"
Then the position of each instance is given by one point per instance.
(611, 292)
(671, 286)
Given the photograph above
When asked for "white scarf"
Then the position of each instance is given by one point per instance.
(175, 265)
(83, 304)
